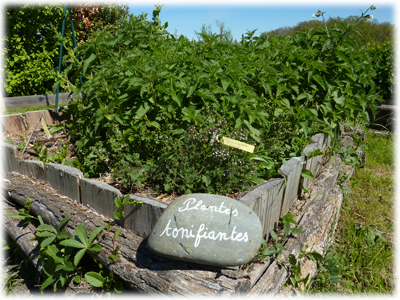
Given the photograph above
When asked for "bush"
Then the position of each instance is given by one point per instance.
(382, 58)
(32, 47)
(153, 102)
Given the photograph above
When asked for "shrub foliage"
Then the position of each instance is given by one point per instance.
(32, 48)
(153, 103)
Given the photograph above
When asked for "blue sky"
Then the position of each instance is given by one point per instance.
(241, 16)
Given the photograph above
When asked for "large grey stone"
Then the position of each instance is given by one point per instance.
(207, 229)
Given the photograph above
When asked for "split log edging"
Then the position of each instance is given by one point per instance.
(149, 273)
(270, 200)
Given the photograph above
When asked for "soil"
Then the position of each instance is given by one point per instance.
(60, 138)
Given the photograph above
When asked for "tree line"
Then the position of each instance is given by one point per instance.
(371, 31)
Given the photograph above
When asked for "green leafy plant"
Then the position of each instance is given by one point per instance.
(151, 96)
(58, 250)
(104, 279)
(58, 265)
(278, 247)
(12, 279)
(25, 212)
(113, 257)
(119, 213)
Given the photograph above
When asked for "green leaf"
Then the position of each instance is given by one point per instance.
(178, 131)
(113, 258)
(95, 247)
(63, 235)
(273, 235)
(117, 202)
(305, 189)
(44, 234)
(47, 282)
(206, 95)
(117, 234)
(297, 231)
(292, 259)
(269, 251)
(72, 243)
(206, 179)
(82, 235)
(94, 279)
(55, 253)
(47, 227)
(94, 234)
(63, 223)
(320, 81)
(79, 256)
(47, 241)
(307, 174)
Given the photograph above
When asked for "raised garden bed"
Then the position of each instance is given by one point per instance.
(62, 191)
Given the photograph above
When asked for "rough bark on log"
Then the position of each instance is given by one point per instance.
(138, 267)
(309, 220)
(22, 234)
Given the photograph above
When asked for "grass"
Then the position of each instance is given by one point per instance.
(364, 238)
(14, 111)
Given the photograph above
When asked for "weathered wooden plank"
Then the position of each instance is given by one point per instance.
(292, 171)
(309, 220)
(26, 121)
(311, 164)
(141, 218)
(22, 234)
(138, 267)
(49, 116)
(64, 179)
(36, 100)
(13, 123)
(32, 168)
(99, 196)
(266, 202)
(9, 157)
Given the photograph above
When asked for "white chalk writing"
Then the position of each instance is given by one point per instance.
(190, 204)
(203, 233)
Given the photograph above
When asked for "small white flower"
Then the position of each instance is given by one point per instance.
(313, 15)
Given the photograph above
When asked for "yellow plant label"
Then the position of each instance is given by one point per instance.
(236, 144)
(3, 106)
(45, 128)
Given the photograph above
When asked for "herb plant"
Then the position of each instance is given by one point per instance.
(152, 102)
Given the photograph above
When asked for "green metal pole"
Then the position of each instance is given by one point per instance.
(60, 57)
(73, 36)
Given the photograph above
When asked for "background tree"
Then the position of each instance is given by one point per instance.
(370, 30)
(31, 47)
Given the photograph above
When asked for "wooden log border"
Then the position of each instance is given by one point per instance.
(37, 100)
(270, 200)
